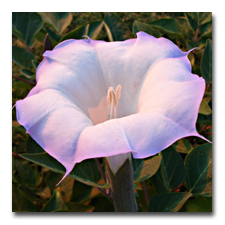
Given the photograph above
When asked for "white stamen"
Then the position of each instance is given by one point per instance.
(112, 100)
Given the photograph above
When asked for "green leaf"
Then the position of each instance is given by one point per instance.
(157, 182)
(116, 29)
(80, 192)
(172, 168)
(58, 20)
(167, 25)
(22, 57)
(139, 26)
(76, 207)
(27, 73)
(85, 172)
(206, 29)
(28, 175)
(65, 187)
(199, 204)
(76, 34)
(33, 147)
(94, 29)
(206, 62)
(55, 203)
(204, 108)
(144, 169)
(52, 35)
(25, 25)
(198, 164)
(168, 202)
(20, 203)
(182, 146)
(192, 22)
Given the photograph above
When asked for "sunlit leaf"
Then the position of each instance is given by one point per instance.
(59, 20)
(182, 146)
(144, 169)
(204, 108)
(199, 204)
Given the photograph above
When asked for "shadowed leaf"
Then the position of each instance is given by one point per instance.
(168, 202)
(25, 25)
(198, 164)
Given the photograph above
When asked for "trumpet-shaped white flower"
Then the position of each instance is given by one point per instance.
(101, 99)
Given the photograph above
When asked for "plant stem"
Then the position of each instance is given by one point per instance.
(101, 170)
(24, 80)
(145, 192)
(122, 188)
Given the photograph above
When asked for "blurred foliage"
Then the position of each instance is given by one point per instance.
(177, 179)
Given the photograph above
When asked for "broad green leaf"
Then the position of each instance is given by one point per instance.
(168, 202)
(205, 17)
(92, 30)
(168, 25)
(206, 62)
(55, 203)
(25, 25)
(85, 172)
(53, 35)
(33, 147)
(204, 108)
(35, 64)
(76, 34)
(172, 168)
(139, 26)
(206, 29)
(208, 94)
(22, 57)
(27, 73)
(192, 22)
(65, 187)
(157, 182)
(144, 169)
(20, 203)
(80, 192)
(116, 29)
(58, 20)
(199, 204)
(198, 164)
(182, 146)
(76, 207)
(28, 175)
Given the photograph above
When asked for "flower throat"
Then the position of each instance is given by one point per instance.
(112, 100)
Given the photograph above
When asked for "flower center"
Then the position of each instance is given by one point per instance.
(112, 100)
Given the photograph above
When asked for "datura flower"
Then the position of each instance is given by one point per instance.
(100, 99)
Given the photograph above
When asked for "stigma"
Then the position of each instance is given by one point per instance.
(112, 100)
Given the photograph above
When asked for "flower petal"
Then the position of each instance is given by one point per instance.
(54, 122)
